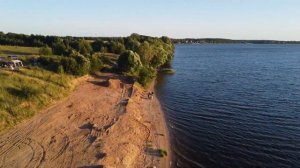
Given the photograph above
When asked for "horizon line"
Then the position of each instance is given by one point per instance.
(173, 38)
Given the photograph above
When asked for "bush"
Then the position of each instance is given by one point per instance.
(25, 91)
(29, 91)
(145, 76)
(50, 62)
(106, 59)
(84, 47)
(162, 152)
(60, 69)
(45, 50)
(59, 48)
(96, 63)
(83, 65)
(28, 60)
(69, 64)
(116, 47)
(167, 71)
(74, 65)
(129, 62)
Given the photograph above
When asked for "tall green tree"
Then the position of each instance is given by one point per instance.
(159, 57)
(129, 62)
(145, 52)
(59, 48)
(84, 47)
(83, 65)
(132, 44)
(117, 47)
(96, 63)
(98, 45)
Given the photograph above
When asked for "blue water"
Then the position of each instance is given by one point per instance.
(233, 105)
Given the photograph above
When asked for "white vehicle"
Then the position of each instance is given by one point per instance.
(15, 64)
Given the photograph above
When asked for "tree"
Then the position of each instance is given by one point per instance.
(129, 62)
(59, 48)
(117, 47)
(69, 65)
(96, 63)
(166, 39)
(146, 74)
(45, 50)
(159, 57)
(140, 55)
(83, 65)
(135, 36)
(132, 44)
(145, 52)
(84, 47)
(97, 45)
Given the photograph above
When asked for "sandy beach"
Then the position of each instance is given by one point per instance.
(106, 122)
(159, 131)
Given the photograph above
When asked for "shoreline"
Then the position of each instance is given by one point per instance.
(166, 162)
(154, 119)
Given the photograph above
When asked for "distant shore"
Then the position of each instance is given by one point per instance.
(229, 41)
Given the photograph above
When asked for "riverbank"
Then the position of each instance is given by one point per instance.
(160, 133)
(106, 122)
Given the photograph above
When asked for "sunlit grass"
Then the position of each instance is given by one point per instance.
(24, 93)
(17, 50)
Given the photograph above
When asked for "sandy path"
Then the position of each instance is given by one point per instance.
(96, 126)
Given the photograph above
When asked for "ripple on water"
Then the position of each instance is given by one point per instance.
(234, 105)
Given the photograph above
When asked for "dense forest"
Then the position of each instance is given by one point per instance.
(137, 56)
(229, 41)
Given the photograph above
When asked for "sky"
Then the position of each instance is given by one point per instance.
(234, 19)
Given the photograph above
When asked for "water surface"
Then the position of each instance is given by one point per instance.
(234, 105)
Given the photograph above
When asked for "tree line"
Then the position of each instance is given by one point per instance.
(229, 41)
(139, 56)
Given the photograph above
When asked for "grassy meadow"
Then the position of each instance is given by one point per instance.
(17, 50)
(24, 93)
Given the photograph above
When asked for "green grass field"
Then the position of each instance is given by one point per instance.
(24, 93)
(16, 50)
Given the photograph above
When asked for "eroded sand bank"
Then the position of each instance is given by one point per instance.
(100, 124)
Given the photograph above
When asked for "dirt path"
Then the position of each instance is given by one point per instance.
(96, 126)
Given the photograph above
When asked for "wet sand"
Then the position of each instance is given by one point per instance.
(159, 132)
(101, 124)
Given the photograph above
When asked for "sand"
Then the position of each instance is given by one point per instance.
(106, 122)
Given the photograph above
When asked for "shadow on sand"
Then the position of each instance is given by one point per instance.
(92, 166)
(122, 78)
(152, 152)
(100, 83)
(102, 79)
